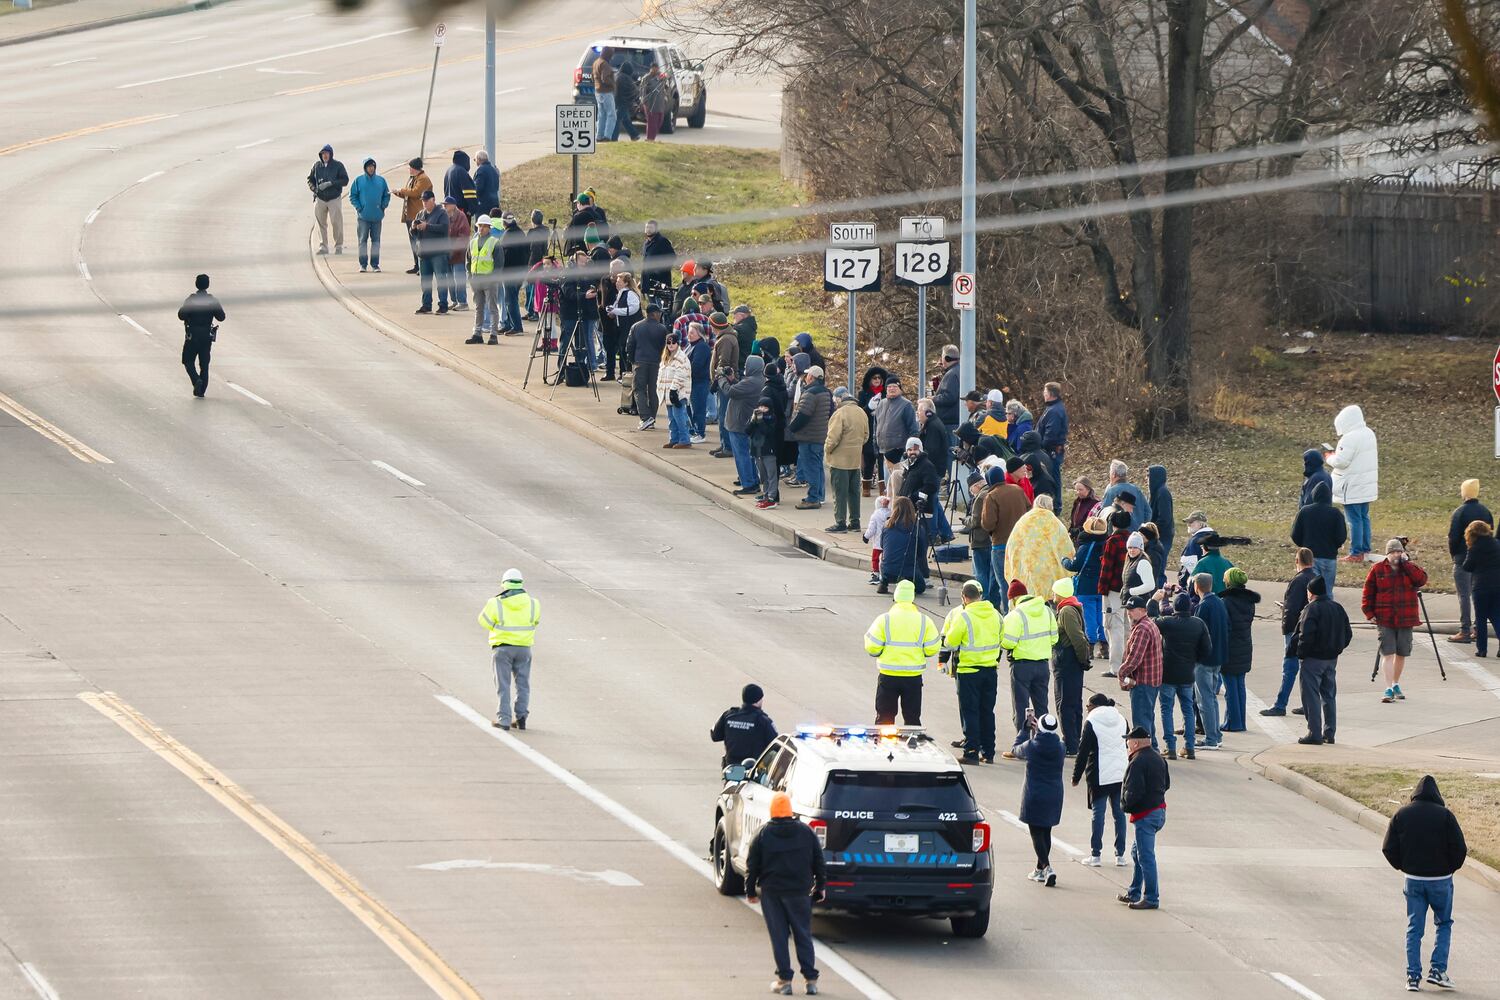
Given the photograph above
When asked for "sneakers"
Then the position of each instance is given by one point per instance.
(1437, 978)
(1273, 711)
(768, 504)
(812, 987)
(1397, 691)
(696, 438)
(808, 505)
(782, 987)
(1210, 746)
(1036, 876)
(1414, 984)
(1049, 877)
(1120, 861)
(958, 744)
(1388, 697)
(874, 578)
(1092, 861)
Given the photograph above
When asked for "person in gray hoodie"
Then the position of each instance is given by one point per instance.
(740, 400)
(895, 421)
(809, 428)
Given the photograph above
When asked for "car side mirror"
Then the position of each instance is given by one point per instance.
(735, 773)
(696, 65)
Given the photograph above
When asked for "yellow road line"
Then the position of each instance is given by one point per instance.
(444, 981)
(88, 130)
(51, 432)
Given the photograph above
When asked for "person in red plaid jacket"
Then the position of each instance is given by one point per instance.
(1390, 601)
(1140, 672)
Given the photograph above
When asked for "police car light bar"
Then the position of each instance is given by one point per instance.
(815, 731)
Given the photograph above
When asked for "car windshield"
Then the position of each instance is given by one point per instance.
(641, 58)
(888, 791)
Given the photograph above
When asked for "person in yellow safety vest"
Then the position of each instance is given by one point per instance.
(971, 646)
(1029, 634)
(512, 617)
(482, 279)
(901, 639)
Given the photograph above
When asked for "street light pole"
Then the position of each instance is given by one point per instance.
(489, 84)
(967, 252)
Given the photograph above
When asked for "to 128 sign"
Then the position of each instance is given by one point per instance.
(848, 269)
(922, 264)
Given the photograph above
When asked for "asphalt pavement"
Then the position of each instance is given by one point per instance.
(283, 579)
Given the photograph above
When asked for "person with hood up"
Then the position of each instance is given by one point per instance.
(901, 640)
(785, 873)
(945, 397)
(1036, 548)
(1426, 844)
(1468, 511)
(627, 97)
(1323, 633)
(809, 428)
(745, 730)
(971, 649)
(1039, 467)
(904, 543)
(802, 343)
(1018, 421)
(417, 185)
(1208, 674)
(1392, 600)
(1029, 634)
(1320, 527)
(1356, 476)
(843, 449)
(1070, 660)
(1042, 791)
(486, 185)
(1084, 565)
(740, 399)
(370, 196)
(1239, 602)
(327, 180)
(1292, 603)
(764, 433)
(1313, 473)
(1159, 499)
(1482, 563)
(796, 380)
(458, 185)
(1101, 761)
(871, 391)
(1184, 643)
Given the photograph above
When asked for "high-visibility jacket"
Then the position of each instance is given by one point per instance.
(482, 254)
(973, 630)
(512, 618)
(1030, 629)
(902, 639)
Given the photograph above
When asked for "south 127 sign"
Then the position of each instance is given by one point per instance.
(855, 265)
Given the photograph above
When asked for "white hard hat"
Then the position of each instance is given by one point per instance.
(483, 220)
(512, 575)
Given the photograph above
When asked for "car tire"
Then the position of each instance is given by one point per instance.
(669, 120)
(972, 927)
(726, 879)
(699, 114)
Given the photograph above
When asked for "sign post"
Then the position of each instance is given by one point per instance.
(438, 34)
(852, 264)
(922, 259)
(575, 134)
(1495, 380)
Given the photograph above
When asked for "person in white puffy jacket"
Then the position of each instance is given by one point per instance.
(1356, 477)
(1102, 759)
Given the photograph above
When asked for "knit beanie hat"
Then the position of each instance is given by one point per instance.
(1317, 586)
(1394, 545)
(751, 694)
(1135, 541)
(1017, 589)
(1049, 723)
(1469, 490)
(1235, 577)
(591, 235)
(994, 476)
(1182, 604)
(781, 806)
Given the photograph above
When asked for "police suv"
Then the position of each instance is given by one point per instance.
(900, 829)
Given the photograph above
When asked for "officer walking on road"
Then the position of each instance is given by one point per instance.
(785, 873)
(901, 640)
(972, 632)
(745, 731)
(198, 313)
(512, 616)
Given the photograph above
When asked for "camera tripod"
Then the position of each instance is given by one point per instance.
(541, 346)
(581, 352)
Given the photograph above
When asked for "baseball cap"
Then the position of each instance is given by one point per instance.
(974, 396)
(815, 371)
(1138, 733)
(1136, 602)
(1197, 515)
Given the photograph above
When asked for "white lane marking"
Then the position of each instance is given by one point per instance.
(1271, 725)
(1015, 821)
(190, 38)
(1294, 986)
(608, 876)
(265, 59)
(831, 958)
(248, 394)
(83, 269)
(38, 982)
(398, 474)
(89, 219)
(133, 323)
(69, 62)
(298, 17)
(512, 90)
(151, 176)
(287, 72)
(1486, 680)
(257, 142)
(51, 432)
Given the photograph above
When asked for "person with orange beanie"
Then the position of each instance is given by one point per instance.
(785, 873)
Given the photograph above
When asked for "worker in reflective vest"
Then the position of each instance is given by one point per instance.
(971, 648)
(512, 616)
(1029, 634)
(482, 280)
(901, 640)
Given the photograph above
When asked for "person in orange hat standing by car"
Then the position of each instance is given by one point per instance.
(785, 873)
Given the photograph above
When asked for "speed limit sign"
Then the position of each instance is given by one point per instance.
(575, 128)
(965, 294)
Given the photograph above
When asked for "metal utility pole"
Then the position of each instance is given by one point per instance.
(967, 251)
(489, 85)
(438, 34)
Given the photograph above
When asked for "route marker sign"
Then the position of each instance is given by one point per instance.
(852, 264)
(575, 128)
(922, 263)
(965, 294)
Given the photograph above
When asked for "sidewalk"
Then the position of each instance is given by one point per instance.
(81, 15)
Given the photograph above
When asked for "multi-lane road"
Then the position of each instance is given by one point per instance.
(291, 791)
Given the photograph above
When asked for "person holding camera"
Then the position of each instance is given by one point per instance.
(198, 313)
(1390, 600)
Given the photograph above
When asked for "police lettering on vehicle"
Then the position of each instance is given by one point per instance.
(846, 814)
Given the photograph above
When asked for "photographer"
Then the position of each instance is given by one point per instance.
(578, 313)
(1390, 601)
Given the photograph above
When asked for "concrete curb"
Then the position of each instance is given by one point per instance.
(1341, 805)
(141, 15)
(590, 432)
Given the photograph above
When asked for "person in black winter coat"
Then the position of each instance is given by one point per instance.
(1425, 843)
(946, 395)
(920, 480)
(1320, 526)
(1144, 799)
(871, 385)
(458, 184)
(745, 730)
(1162, 511)
(1482, 565)
(1239, 602)
(1292, 603)
(1322, 634)
(1032, 455)
(785, 873)
(1185, 642)
(1468, 511)
(656, 279)
(1313, 473)
(1156, 552)
(327, 180)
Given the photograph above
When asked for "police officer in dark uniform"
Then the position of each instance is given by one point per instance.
(745, 731)
(198, 313)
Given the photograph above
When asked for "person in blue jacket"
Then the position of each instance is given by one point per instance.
(369, 194)
(486, 185)
(903, 552)
(1208, 675)
(1042, 792)
(1084, 564)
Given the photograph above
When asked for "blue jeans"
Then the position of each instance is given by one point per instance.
(1143, 853)
(1182, 694)
(369, 233)
(984, 574)
(1358, 515)
(580, 342)
(700, 407)
(677, 424)
(1234, 702)
(1422, 895)
(739, 445)
(1002, 586)
(940, 526)
(1093, 616)
(510, 306)
(1209, 679)
(1055, 460)
(1108, 798)
(1288, 673)
(434, 271)
(458, 279)
(607, 125)
(1143, 709)
(712, 405)
(810, 469)
(1328, 569)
